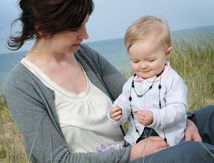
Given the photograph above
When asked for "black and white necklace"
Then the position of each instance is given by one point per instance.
(141, 95)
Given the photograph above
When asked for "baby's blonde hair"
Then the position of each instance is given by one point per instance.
(145, 27)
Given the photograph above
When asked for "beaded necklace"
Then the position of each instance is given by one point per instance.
(141, 95)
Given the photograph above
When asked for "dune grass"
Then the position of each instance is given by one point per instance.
(11, 143)
(193, 60)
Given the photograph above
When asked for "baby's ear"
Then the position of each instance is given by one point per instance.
(168, 50)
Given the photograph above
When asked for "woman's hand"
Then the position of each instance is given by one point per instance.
(191, 132)
(146, 147)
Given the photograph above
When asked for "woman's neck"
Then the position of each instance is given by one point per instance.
(42, 52)
(61, 68)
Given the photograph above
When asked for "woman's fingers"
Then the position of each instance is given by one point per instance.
(191, 132)
(147, 146)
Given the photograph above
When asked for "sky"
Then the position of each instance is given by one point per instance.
(111, 18)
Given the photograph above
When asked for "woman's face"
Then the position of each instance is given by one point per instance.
(69, 41)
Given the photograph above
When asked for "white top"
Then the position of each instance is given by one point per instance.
(171, 118)
(82, 117)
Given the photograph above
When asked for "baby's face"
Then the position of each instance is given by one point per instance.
(147, 59)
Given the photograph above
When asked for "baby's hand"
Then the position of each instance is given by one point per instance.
(145, 117)
(115, 113)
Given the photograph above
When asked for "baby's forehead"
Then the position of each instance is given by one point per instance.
(147, 44)
(144, 52)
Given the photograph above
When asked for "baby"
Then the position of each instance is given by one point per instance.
(154, 99)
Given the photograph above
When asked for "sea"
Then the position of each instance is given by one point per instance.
(113, 50)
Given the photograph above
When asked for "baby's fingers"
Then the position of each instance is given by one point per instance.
(115, 109)
(116, 118)
(116, 114)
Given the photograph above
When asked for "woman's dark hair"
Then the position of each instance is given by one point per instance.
(49, 17)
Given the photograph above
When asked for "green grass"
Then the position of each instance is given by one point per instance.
(11, 144)
(193, 60)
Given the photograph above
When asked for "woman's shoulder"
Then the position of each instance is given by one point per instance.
(20, 77)
(15, 80)
(16, 74)
(87, 51)
(22, 80)
(90, 58)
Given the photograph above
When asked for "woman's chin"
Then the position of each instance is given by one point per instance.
(75, 48)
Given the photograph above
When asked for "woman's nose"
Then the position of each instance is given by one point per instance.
(83, 34)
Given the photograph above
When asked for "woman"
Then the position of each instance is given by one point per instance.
(53, 90)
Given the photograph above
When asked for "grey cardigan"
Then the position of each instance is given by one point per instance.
(32, 106)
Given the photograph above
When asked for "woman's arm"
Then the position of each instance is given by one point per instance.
(147, 147)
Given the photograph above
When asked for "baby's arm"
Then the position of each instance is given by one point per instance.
(120, 111)
(174, 109)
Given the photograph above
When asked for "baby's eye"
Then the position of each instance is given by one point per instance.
(135, 61)
(151, 60)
